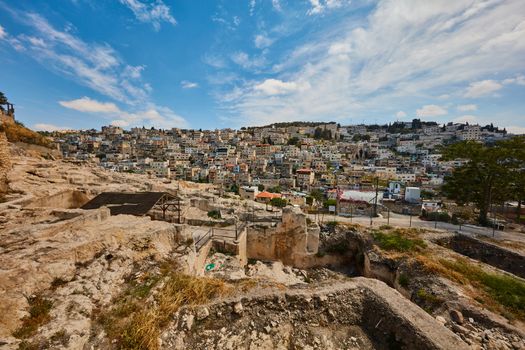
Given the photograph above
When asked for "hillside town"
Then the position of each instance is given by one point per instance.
(365, 164)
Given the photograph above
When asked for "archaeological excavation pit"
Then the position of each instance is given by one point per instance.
(360, 313)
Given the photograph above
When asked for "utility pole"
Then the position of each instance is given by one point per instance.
(373, 212)
(375, 199)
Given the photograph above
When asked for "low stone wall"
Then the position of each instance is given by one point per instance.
(395, 322)
(488, 253)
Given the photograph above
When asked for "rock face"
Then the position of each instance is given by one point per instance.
(5, 163)
(88, 256)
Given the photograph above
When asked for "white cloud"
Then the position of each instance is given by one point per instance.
(97, 66)
(261, 41)
(520, 80)
(151, 115)
(236, 21)
(154, 13)
(160, 117)
(277, 87)
(252, 7)
(214, 61)
(133, 72)
(319, 6)
(85, 104)
(3, 34)
(431, 111)
(188, 84)
(49, 127)
(245, 61)
(401, 114)
(402, 51)
(482, 88)
(517, 130)
(466, 119)
(467, 108)
(277, 5)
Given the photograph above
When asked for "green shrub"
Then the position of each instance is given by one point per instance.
(397, 241)
(332, 224)
(214, 214)
(437, 216)
(403, 280)
(339, 248)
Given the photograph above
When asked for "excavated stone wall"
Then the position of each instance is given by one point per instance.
(289, 241)
(68, 199)
(488, 253)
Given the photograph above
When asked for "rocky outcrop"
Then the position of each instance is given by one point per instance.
(86, 257)
(5, 163)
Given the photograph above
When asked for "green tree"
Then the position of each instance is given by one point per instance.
(318, 195)
(514, 150)
(327, 203)
(484, 178)
(276, 189)
(278, 202)
(234, 188)
(3, 100)
(293, 141)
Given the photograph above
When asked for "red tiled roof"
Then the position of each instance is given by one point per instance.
(269, 195)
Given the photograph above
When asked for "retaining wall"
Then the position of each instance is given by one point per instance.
(488, 253)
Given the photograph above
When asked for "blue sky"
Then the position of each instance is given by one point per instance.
(231, 63)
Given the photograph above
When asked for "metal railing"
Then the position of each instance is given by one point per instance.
(231, 233)
(201, 242)
(219, 232)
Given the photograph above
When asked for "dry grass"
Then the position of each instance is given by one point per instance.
(137, 324)
(520, 246)
(496, 291)
(39, 309)
(433, 265)
(17, 132)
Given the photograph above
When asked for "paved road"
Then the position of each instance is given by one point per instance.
(405, 221)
